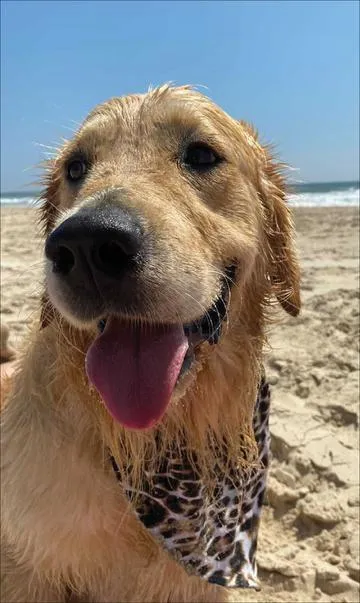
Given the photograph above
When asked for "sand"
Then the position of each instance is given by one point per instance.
(309, 538)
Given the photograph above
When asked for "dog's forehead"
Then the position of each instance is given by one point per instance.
(165, 97)
(160, 108)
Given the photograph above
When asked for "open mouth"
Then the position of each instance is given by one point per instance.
(136, 370)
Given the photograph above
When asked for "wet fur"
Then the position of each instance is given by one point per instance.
(66, 527)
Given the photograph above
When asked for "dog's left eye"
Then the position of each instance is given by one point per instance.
(200, 156)
(76, 169)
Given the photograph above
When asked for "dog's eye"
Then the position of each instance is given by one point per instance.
(200, 156)
(76, 169)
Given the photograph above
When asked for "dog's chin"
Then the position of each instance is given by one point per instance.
(138, 367)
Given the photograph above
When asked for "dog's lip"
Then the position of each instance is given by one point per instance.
(208, 327)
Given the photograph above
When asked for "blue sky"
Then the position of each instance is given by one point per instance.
(291, 68)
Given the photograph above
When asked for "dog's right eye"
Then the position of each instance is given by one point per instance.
(76, 169)
(199, 156)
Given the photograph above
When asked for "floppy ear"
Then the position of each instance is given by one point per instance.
(283, 267)
(284, 271)
(48, 211)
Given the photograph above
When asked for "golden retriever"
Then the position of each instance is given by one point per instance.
(133, 466)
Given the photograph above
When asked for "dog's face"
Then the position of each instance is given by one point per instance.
(161, 214)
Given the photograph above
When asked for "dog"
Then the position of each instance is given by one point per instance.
(135, 434)
(7, 354)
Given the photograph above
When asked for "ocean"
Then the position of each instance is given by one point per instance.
(315, 194)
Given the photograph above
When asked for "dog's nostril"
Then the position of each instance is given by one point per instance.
(111, 253)
(110, 257)
(63, 260)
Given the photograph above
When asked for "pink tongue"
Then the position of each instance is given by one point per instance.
(135, 370)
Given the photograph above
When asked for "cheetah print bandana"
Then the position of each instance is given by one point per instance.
(215, 539)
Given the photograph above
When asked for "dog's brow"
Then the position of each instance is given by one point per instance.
(180, 122)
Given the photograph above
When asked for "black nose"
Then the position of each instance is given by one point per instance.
(104, 242)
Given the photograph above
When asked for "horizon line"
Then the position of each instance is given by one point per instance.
(303, 183)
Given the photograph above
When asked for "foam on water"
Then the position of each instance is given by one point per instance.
(9, 200)
(335, 194)
(335, 198)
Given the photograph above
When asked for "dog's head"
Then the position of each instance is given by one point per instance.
(164, 218)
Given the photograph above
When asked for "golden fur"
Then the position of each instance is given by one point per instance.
(6, 351)
(66, 527)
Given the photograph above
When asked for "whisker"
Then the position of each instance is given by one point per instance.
(60, 321)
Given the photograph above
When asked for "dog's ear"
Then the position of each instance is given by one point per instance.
(49, 196)
(48, 210)
(284, 271)
(282, 264)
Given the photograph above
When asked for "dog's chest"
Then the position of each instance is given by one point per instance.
(214, 536)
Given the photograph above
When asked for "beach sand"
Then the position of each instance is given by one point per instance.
(309, 538)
